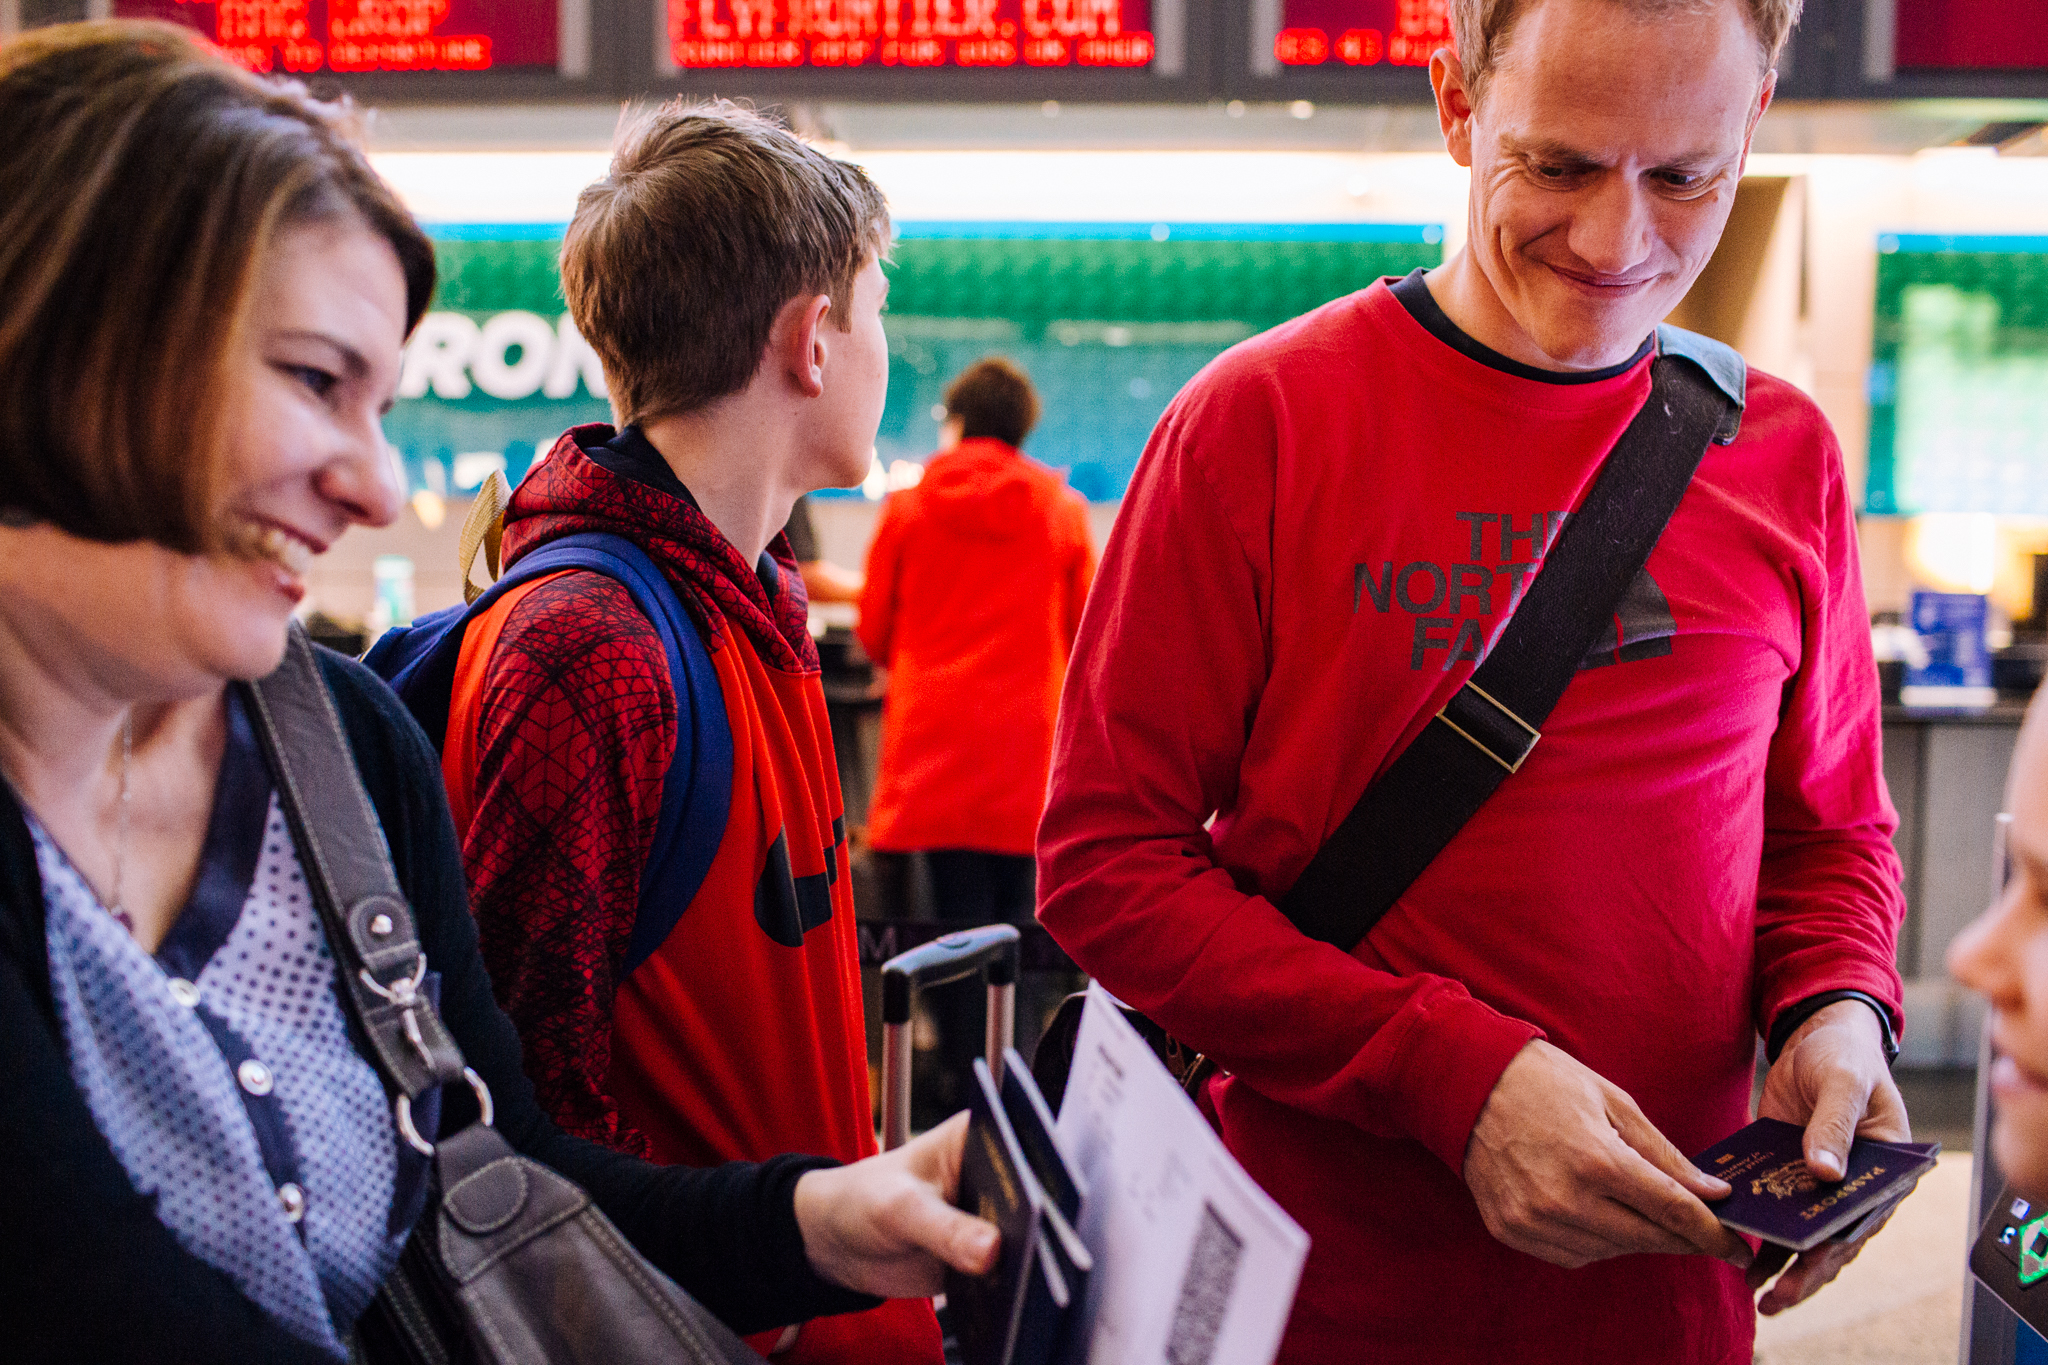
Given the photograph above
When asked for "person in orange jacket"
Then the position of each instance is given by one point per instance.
(975, 581)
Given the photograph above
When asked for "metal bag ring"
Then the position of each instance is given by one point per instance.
(402, 1107)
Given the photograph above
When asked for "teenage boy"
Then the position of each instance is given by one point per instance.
(729, 278)
(1480, 1112)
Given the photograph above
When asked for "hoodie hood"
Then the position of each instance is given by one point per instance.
(596, 479)
(982, 488)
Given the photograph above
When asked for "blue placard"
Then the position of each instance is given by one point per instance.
(1951, 628)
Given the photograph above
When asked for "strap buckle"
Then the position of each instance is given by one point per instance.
(405, 994)
(1490, 727)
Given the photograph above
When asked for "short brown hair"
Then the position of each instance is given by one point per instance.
(711, 218)
(1481, 28)
(142, 176)
(992, 397)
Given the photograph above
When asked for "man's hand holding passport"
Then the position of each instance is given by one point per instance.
(1778, 1198)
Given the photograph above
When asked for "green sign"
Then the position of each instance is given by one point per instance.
(496, 370)
(1110, 321)
(1959, 376)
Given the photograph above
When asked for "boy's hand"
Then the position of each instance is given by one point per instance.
(887, 1225)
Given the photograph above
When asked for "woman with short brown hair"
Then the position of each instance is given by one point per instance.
(204, 291)
(143, 176)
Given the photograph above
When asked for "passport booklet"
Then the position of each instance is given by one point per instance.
(1026, 1311)
(1033, 1124)
(1778, 1199)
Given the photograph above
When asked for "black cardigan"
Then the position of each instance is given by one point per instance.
(87, 1272)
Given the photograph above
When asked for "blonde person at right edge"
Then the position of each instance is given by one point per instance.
(2004, 956)
(1481, 1112)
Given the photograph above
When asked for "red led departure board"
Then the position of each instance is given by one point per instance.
(909, 34)
(1981, 35)
(1361, 32)
(307, 36)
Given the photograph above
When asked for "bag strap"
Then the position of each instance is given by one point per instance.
(370, 928)
(696, 791)
(1485, 731)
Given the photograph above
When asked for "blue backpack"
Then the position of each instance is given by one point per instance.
(419, 661)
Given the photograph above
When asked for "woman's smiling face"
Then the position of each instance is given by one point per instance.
(2004, 955)
(307, 384)
(317, 368)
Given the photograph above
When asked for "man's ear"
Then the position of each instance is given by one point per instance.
(1453, 105)
(1763, 102)
(798, 342)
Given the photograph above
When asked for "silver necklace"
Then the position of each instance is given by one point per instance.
(118, 909)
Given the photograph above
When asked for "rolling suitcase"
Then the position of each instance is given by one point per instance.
(990, 950)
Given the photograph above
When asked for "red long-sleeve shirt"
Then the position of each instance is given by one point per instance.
(1328, 525)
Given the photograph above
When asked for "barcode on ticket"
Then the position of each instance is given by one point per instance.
(1204, 1291)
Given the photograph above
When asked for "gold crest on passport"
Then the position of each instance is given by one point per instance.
(1777, 1197)
(1788, 1181)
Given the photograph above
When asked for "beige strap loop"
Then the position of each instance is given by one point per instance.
(483, 529)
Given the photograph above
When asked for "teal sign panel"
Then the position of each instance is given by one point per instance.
(1109, 319)
(1959, 376)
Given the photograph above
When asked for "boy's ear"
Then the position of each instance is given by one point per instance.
(799, 341)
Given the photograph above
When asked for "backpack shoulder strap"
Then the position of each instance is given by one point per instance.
(1720, 363)
(1419, 802)
(696, 794)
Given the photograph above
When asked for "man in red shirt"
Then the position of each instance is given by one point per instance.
(975, 581)
(1479, 1113)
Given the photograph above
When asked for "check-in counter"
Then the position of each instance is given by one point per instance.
(1946, 771)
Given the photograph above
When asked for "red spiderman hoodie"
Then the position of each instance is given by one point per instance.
(741, 1036)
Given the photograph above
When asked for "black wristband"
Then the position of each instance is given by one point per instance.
(1791, 1018)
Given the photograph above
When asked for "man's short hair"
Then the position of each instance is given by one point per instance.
(711, 218)
(992, 397)
(1481, 28)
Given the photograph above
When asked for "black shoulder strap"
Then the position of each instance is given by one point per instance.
(1425, 796)
(377, 954)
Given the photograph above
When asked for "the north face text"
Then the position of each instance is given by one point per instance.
(1449, 602)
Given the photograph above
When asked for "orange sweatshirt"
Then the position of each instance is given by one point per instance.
(974, 589)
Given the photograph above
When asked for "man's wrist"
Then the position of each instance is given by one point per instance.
(1789, 1019)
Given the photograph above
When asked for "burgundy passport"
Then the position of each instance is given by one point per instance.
(1778, 1199)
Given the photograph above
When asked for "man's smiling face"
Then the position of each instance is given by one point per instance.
(1605, 147)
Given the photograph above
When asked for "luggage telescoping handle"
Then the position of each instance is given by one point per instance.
(991, 950)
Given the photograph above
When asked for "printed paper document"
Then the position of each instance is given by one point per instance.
(1194, 1263)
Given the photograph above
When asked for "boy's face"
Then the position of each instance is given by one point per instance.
(849, 412)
